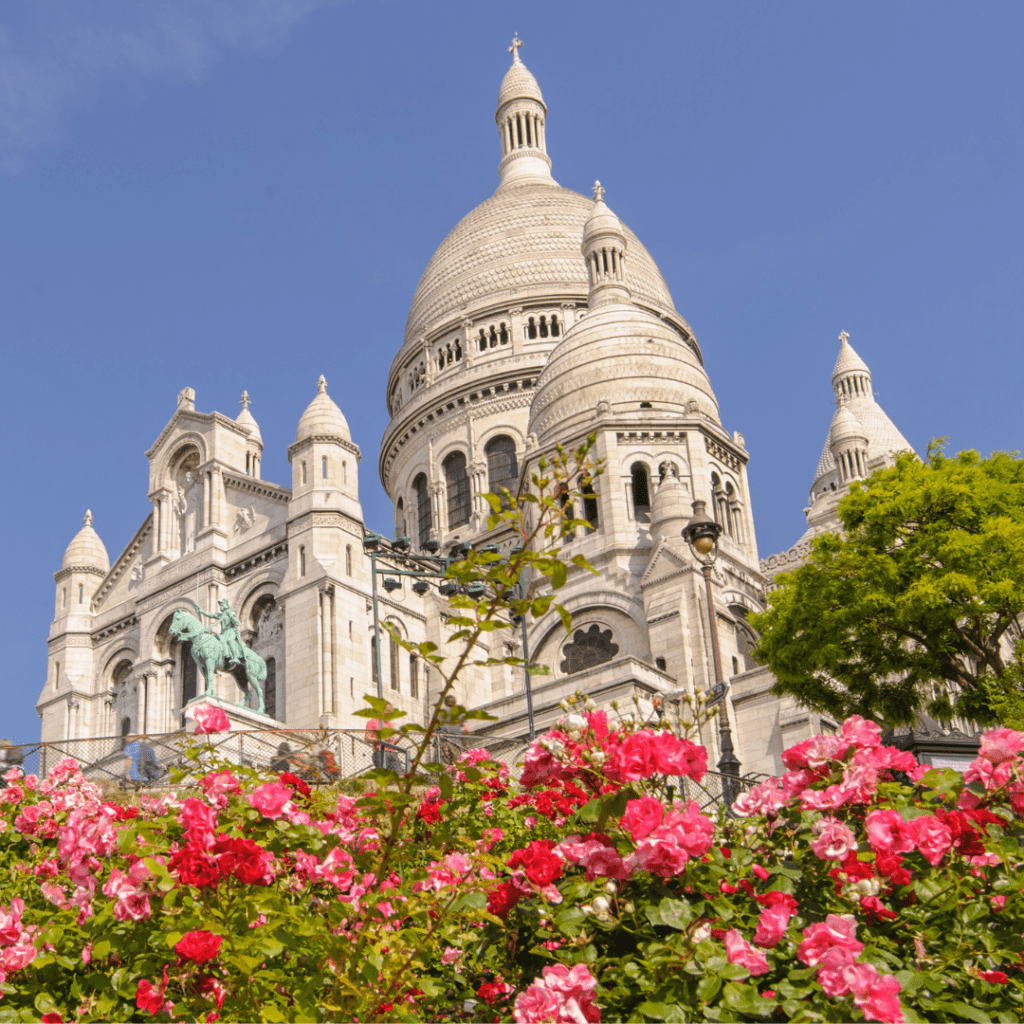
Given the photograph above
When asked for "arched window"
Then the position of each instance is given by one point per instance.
(302, 561)
(270, 688)
(64, 598)
(348, 559)
(458, 350)
(81, 593)
(723, 515)
(543, 326)
(493, 337)
(56, 675)
(503, 333)
(483, 341)
(531, 328)
(126, 729)
(419, 486)
(587, 649)
(641, 485)
(731, 505)
(414, 676)
(344, 472)
(457, 480)
(395, 658)
(323, 467)
(303, 472)
(400, 517)
(565, 504)
(590, 507)
(502, 467)
(556, 328)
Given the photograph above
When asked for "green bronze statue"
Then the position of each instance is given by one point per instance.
(212, 651)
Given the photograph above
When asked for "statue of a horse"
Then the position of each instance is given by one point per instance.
(208, 654)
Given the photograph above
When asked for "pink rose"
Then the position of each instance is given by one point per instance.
(209, 718)
(932, 837)
(450, 955)
(834, 840)
(270, 799)
(771, 926)
(562, 994)
(198, 818)
(679, 757)
(887, 832)
(642, 817)
(999, 745)
(633, 759)
(741, 952)
(877, 995)
(837, 930)
(606, 863)
(218, 787)
(861, 733)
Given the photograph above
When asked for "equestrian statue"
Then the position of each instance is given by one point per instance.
(224, 650)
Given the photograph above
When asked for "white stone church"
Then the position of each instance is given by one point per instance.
(540, 319)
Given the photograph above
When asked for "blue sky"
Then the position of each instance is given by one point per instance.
(243, 194)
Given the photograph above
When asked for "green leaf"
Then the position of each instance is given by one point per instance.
(44, 1003)
(707, 988)
(963, 1011)
(565, 617)
(444, 782)
(673, 913)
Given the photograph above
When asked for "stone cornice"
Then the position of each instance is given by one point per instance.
(308, 442)
(63, 574)
(203, 417)
(262, 488)
(268, 554)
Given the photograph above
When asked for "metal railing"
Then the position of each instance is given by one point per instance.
(319, 756)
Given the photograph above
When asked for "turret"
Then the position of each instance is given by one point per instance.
(254, 442)
(604, 250)
(83, 567)
(521, 117)
(323, 456)
(849, 442)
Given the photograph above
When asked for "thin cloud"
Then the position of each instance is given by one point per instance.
(59, 54)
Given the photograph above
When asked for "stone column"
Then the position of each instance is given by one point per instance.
(155, 502)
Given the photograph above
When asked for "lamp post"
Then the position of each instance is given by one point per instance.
(424, 567)
(701, 534)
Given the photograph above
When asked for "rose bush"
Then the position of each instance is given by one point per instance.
(859, 885)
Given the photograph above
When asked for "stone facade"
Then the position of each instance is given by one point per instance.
(540, 320)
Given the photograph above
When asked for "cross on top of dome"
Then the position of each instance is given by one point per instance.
(321, 385)
(844, 337)
(598, 192)
(514, 48)
(245, 401)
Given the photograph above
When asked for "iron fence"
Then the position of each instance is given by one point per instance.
(319, 756)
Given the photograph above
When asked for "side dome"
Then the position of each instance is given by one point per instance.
(521, 244)
(86, 550)
(519, 84)
(322, 417)
(248, 421)
(627, 359)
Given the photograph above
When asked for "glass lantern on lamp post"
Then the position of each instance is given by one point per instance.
(701, 534)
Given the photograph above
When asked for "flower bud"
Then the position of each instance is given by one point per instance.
(610, 887)
(586, 910)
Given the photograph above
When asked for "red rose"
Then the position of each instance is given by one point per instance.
(542, 866)
(52, 1018)
(245, 860)
(502, 899)
(429, 811)
(198, 946)
(194, 867)
(294, 780)
(993, 977)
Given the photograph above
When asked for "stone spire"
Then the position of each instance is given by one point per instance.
(520, 117)
(851, 377)
(604, 249)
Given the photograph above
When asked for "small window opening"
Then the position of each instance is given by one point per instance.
(302, 561)
(661, 663)
(248, 463)
(590, 508)
(503, 333)
(423, 510)
(646, 405)
(414, 676)
(641, 486)
(483, 340)
(531, 328)
(556, 327)
(303, 472)
(64, 598)
(373, 659)
(458, 350)
(393, 657)
(348, 559)
(323, 467)
(56, 675)
(81, 593)
(735, 666)
(494, 336)
(543, 326)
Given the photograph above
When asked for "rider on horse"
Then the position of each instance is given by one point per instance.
(230, 631)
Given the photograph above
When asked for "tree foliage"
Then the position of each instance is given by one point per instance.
(917, 605)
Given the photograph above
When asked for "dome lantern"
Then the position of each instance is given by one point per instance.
(521, 117)
(254, 442)
(604, 250)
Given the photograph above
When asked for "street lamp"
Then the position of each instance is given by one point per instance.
(702, 533)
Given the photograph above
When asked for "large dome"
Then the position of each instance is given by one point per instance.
(523, 242)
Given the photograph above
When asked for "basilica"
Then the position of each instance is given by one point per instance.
(540, 320)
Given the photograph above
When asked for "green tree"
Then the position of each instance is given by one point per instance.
(917, 604)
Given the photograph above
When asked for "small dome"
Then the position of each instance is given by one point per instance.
(86, 550)
(519, 84)
(846, 426)
(848, 361)
(670, 509)
(322, 417)
(247, 420)
(601, 220)
(626, 357)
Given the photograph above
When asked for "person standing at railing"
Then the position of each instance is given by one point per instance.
(140, 763)
(11, 756)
